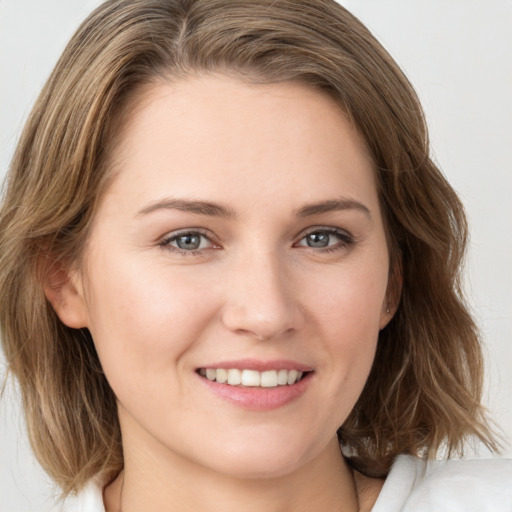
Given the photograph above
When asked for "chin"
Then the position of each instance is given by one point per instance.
(260, 469)
(263, 458)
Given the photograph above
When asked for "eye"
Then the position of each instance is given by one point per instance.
(187, 241)
(330, 239)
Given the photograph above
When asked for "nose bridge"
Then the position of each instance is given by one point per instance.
(260, 299)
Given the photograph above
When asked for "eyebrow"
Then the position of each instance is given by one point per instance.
(332, 205)
(184, 205)
(219, 210)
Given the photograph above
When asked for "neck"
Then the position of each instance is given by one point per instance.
(324, 484)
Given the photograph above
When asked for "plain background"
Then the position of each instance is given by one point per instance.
(458, 55)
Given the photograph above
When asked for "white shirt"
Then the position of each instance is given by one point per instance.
(412, 485)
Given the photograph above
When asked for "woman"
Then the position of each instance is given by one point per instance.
(238, 257)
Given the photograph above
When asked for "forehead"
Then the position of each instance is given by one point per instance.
(217, 131)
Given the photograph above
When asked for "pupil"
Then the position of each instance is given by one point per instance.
(318, 240)
(189, 242)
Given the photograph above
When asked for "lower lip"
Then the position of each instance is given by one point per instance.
(258, 398)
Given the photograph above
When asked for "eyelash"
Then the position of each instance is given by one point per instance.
(165, 243)
(345, 241)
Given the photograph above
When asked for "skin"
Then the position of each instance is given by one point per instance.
(254, 289)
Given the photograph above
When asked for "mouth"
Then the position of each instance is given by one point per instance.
(250, 378)
(257, 385)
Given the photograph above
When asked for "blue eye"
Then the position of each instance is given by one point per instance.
(329, 239)
(188, 241)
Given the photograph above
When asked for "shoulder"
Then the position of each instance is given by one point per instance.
(90, 499)
(478, 485)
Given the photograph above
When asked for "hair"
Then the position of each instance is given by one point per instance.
(424, 390)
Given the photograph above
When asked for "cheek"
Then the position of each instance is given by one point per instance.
(351, 299)
(347, 318)
(140, 318)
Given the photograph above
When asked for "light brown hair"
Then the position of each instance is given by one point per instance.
(424, 390)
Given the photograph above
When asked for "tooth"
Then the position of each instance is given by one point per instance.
(269, 379)
(292, 376)
(250, 378)
(282, 377)
(234, 377)
(222, 375)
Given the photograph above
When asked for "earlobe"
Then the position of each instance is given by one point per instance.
(64, 291)
(393, 293)
(386, 315)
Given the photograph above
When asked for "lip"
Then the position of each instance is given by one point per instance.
(259, 398)
(259, 365)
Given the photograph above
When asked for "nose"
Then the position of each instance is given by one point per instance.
(261, 299)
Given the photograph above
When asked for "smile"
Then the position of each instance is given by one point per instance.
(252, 378)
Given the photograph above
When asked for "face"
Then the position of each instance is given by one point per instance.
(241, 239)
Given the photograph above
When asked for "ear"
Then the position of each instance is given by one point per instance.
(64, 290)
(393, 293)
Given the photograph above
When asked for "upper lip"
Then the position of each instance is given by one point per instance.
(259, 365)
